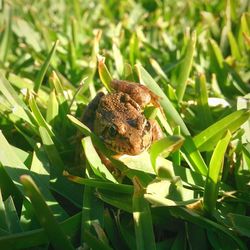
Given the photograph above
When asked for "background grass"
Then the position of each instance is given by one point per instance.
(190, 191)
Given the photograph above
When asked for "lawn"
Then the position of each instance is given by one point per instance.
(189, 190)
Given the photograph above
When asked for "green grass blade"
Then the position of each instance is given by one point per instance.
(120, 188)
(87, 132)
(53, 230)
(133, 48)
(104, 74)
(74, 32)
(43, 70)
(214, 174)
(202, 101)
(92, 211)
(14, 167)
(3, 218)
(186, 67)
(95, 162)
(77, 11)
(121, 201)
(53, 108)
(142, 219)
(94, 243)
(240, 223)
(197, 219)
(158, 69)
(207, 139)
(92, 66)
(156, 200)
(244, 103)
(57, 164)
(86, 211)
(118, 59)
(39, 118)
(11, 216)
(169, 144)
(6, 37)
(19, 108)
(128, 73)
(217, 65)
(234, 46)
(56, 83)
(217, 52)
(34, 238)
(83, 128)
(193, 156)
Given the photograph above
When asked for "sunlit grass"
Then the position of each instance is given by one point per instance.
(189, 190)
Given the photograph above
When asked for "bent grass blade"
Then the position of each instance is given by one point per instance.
(54, 232)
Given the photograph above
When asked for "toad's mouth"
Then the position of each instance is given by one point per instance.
(123, 146)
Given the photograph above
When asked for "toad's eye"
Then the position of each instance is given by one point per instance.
(112, 131)
(147, 125)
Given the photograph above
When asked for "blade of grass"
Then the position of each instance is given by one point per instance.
(3, 217)
(207, 139)
(74, 32)
(120, 188)
(87, 132)
(53, 108)
(128, 73)
(77, 12)
(72, 55)
(244, 103)
(133, 48)
(56, 83)
(95, 162)
(122, 201)
(19, 108)
(34, 238)
(42, 72)
(158, 69)
(234, 46)
(12, 217)
(186, 67)
(112, 231)
(92, 211)
(57, 164)
(39, 118)
(202, 101)
(157, 200)
(14, 167)
(6, 39)
(176, 156)
(214, 174)
(170, 144)
(241, 223)
(53, 230)
(193, 217)
(118, 59)
(217, 65)
(104, 74)
(94, 243)
(142, 219)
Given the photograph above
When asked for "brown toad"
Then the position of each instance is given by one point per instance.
(118, 119)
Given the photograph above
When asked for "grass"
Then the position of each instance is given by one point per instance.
(190, 190)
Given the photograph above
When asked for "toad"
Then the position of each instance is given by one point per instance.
(118, 119)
